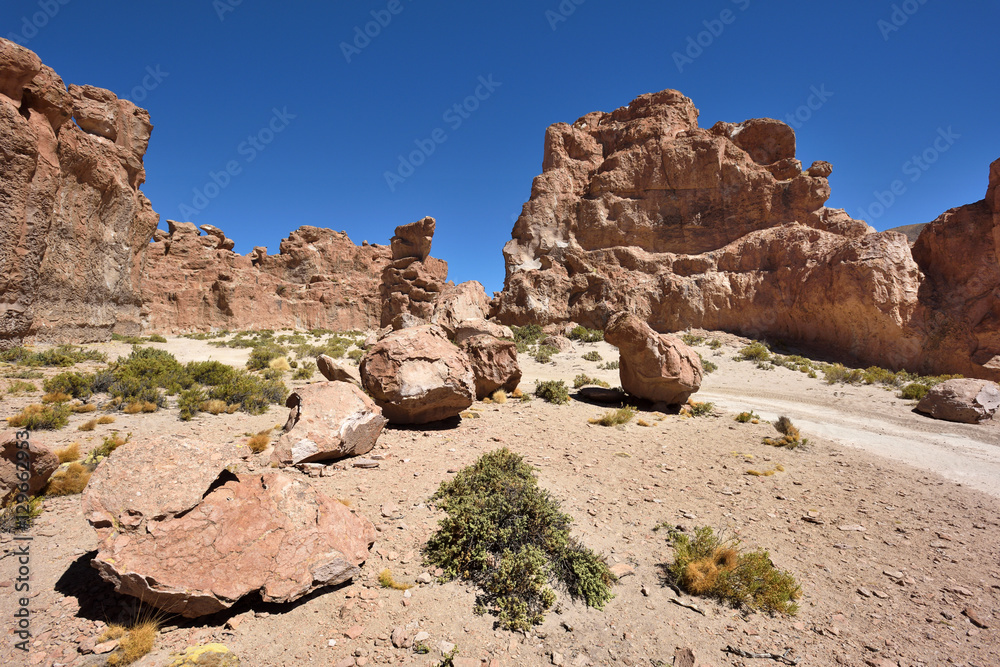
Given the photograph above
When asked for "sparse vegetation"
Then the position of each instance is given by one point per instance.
(305, 371)
(88, 425)
(63, 355)
(69, 481)
(156, 338)
(41, 417)
(56, 397)
(386, 580)
(756, 352)
(714, 344)
(17, 387)
(251, 393)
(106, 419)
(707, 565)
(135, 407)
(766, 473)
(110, 444)
(585, 335)
(69, 453)
(499, 396)
(527, 336)
(280, 364)
(510, 538)
(262, 355)
(134, 642)
(696, 409)
(692, 339)
(543, 354)
(190, 402)
(790, 436)
(707, 366)
(553, 391)
(260, 441)
(609, 365)
(593, 355)
(583, 380)
(914, 391)
(18, 517)
(748, 417)
(622, 415)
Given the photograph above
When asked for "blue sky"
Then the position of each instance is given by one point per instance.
(310, 128)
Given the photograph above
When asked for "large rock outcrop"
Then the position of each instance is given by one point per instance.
(640, 210)
(319, 279)
(181, 533)
(73, 222)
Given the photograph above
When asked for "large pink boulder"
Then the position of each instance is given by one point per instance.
(962, 400)
(418, 376)
(494, 364)
(653, 366)
(181, 533)
(328, 420)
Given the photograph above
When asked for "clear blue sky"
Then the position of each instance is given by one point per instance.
(225, 66)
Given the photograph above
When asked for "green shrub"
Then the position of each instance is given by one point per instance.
(63, 355)
(23, 374)
(261, 355)
(140, 376)
(585, 335)
(77, 385)
(356, 355)
(755, 351)
(527, 336)
(543, 354)
(914, 391)
(109, 444)
(703, 409)
(692, 339)
(710, 566)
(510, 538)
(189, 402)
(304, 371)
(617, 417)
(156, 338)
(790, 436)
(210, 373)
(582, 380)
(21, 387)
(593, 355)
(610, 365)
(41, 417)
(707, 366)
(714, 344)
(252, 393)
(553, 391)
(747, 417)
(19, 517)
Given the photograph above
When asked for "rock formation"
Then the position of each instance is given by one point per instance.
(653, 366)
(319, 279)
(183, 534)
(640, 210)
(494, 363)
(963, 400)
(40, 463)
(328, 420)
(73, 222)
(418, 376)
(412, 281)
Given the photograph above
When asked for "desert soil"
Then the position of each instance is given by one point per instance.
(887, 519)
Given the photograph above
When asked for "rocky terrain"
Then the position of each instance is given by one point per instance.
(722, 228)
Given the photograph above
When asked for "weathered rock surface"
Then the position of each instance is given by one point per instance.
(73, 224)
(334, 371)
(183, 534)
(319, 279)
(494, 364)
(475, 327)
(654, 366)
(413, 280)
(457, 303)
(964, 400)
(418, 376)
(641, 210)
(327, 421)
(37, 460)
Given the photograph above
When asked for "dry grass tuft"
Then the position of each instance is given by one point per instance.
(69, 482)
(136, 407)
(643, 422)
(69, 453)
(517, 393)
(385, 578)
(137, 641)
(499, 396)
(82, 408)
(41, 417)
(106, 419)
(214, 406)
(790, 436)
(617, 417)
(259, 442)
(279, 364)
(88, 425)
(56, 397)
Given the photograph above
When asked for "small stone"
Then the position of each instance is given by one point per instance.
(558, 659)
(976, 620)
(683, 657)
(422, 636)
(959, 590)
(400, 638)
(424, 578)
(87, 645)
(895, 574)
(864, 592)
(880, 595)
(852, 528)
(390, 511)
(354, 631)
(622, 570)
(446, 647)
(106, 647)
(345, 662)
(644, 590)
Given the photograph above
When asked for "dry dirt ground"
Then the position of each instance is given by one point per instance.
(887, 519)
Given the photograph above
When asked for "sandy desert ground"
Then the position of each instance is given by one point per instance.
(888, 520)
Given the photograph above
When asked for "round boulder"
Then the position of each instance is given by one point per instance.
(494, 364)
(653, 366)
(418, 376)
(964, 400)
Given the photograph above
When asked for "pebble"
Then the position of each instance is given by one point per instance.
(354, 631)
(424, 578)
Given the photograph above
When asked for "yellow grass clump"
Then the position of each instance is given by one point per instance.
(259, 442)
(56, 397)
(279, 364)
(134, 642)
(386, 580)
(617, 417)
(136, 407)
(81, 408)
(88, 425)
(69, 482)
(499, 396)
(106, 419)
(69, 453)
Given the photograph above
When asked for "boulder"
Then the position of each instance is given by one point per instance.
(494, 364)
(561, 343)
(654, 366)
(413, 240)
(457, 303)
(475, 327)
(418, 376)
(181, 533)
(334, 371)
(406, 321)
(963, 400)
(37, 460)
(328, 420)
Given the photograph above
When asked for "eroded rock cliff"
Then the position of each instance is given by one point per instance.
(641, 210)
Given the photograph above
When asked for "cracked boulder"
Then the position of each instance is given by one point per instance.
(182, 533)
(961, 400)
(418, 376)
(33, 466)
(654, 366)
(494, 364)
(327, 421)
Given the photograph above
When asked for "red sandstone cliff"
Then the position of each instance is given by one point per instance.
(642, 210)
(73, 223)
